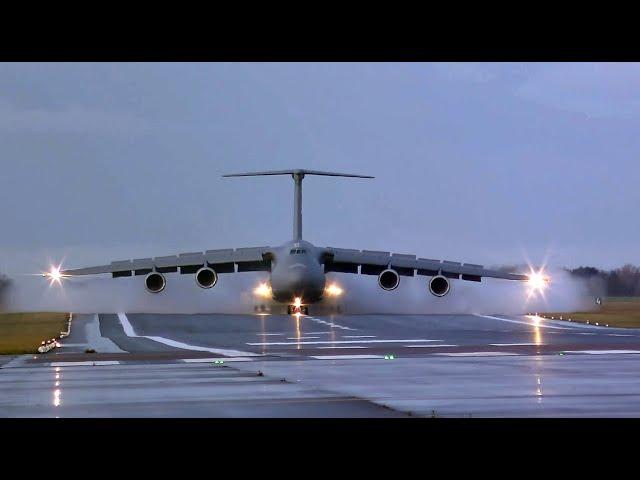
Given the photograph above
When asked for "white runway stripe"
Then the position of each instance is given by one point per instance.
(476, 354)
(330, 324)
(224, 359)
(602, 352)
(513, 344)
(300, 338)
(530, 324)
(344, 346)
(345, 357)
(428, 346)
(321, 342)
(128, 329)
(97, 363)
(359, 336)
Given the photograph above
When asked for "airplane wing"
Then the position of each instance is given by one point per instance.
(222, 261)
(370, 262)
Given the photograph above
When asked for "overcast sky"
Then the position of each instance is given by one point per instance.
(481, 163)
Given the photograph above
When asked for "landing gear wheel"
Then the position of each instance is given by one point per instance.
(293, 310)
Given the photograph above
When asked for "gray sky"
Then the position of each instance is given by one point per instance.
(484, 163)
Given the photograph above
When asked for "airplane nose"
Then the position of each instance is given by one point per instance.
(298, 275)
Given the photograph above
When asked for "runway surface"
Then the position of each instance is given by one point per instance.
(328, 366)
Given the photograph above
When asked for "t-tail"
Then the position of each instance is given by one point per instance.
(297, 175)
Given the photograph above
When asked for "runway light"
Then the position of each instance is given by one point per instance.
(263, 290)
(333, 290)
(297, 302)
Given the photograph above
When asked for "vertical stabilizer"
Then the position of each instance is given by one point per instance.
(297, 175)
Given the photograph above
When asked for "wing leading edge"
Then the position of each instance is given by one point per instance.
(369, 262)
(222, 261)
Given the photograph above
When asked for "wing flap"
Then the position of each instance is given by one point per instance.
(372, 262)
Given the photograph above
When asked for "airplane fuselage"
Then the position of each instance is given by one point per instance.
(297, 272)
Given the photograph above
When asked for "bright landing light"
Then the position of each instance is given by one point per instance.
(333, 290)
(263, 290)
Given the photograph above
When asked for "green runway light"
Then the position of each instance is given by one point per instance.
(218, 362)
(389, 357)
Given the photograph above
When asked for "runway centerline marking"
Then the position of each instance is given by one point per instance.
(331, 324)
(359, 336)
(514, 344)
(323, 342)
(300, 338)
(96, 363)
(130, 332)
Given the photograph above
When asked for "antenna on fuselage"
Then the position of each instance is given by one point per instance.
(297, 175)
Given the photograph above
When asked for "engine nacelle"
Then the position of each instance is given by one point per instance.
(388, 279)
(439, 286)
(154, 282)
(206, 277)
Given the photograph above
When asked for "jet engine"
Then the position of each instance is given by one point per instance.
(388, 279)
(439, 286)
(154, 282)
(206, 277)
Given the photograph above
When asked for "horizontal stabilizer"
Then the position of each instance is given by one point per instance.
(297, 171)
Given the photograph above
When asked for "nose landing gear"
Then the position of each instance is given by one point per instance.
(297, 309)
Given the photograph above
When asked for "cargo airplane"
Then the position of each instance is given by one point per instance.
(298, 268)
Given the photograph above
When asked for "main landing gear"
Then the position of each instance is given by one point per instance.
(296, 310)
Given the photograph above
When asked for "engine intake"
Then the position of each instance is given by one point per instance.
(388, 279)
(439, 286)
(206, 277)
(154, 282)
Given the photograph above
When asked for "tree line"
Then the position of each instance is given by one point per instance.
(621, 282)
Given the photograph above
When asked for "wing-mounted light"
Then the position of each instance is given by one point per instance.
(538, 281)
(55, 275)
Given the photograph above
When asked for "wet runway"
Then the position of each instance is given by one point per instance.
(336, 366)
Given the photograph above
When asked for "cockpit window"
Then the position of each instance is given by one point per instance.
(297, 251)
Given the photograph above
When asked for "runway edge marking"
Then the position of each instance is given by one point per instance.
(602, 352)
(509, 320)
